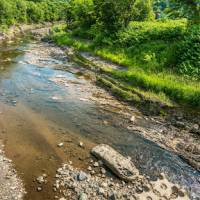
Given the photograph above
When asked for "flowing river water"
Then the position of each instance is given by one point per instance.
(37, 113)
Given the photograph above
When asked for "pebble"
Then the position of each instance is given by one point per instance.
(180, 124)
(60, 144)
(40, 180)
(82, 176)
(96, 164)
(195, 129)
(103, 171)
(104, 184)
(89, 168)
(132, 119)
(100, 191)
(39, 189)
(86, 187)
(83, 196)
(112, 197)
(80, 144)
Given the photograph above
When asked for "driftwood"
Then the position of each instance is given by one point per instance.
(117, 163)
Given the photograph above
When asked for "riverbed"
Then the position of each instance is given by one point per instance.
(46, 100)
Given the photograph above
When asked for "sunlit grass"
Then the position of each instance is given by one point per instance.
(145, 68)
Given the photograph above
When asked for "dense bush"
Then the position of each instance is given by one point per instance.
(19, 11)
(140, 32)
(114, 15)
(188, 53)
(81, 13)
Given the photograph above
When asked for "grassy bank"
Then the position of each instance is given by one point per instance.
(147, 49)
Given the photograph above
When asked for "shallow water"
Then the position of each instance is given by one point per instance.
(37, 114)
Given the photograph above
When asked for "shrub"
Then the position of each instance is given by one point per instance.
(188, 53)
(12, 12)
(140, 32)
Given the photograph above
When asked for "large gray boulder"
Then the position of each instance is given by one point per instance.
(117, 163)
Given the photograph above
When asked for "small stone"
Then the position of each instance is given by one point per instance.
(104, 184)
(83, 196)
(40, 179)
(180, 124)
(44, 175)
(105, 122)
(113, 196)
(100, 162)
(89, 168)
(132, 119)
(195, 129)
(80, 144)
(82, 176)
(103, 171)
(60, 144)
(100, 191)
(92, 172)
(39, 189)
(96, 164)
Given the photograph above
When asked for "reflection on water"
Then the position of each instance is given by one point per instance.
(25, 83)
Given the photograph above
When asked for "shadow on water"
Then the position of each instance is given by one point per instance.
(38, 114)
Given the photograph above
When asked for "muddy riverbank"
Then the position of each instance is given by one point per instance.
(50, 106)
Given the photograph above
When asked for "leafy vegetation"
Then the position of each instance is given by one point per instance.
(160, 53)
(158, 40)
(25, 11)
(147, 68)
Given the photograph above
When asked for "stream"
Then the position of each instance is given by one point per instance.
(38, 111)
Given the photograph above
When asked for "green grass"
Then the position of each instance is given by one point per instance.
(147, 67)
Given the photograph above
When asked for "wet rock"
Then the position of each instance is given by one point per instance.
(118, 164)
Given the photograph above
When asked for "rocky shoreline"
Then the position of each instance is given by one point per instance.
(11, 186)
(97, 182)
(176, 130)
(21, 29)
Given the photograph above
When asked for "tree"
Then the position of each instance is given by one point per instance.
(190, 9)
(113, 15)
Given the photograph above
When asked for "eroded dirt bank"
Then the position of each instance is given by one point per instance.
(53, 113)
